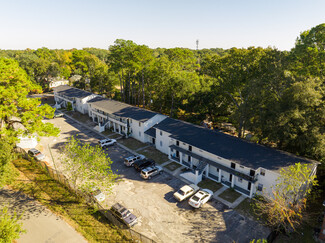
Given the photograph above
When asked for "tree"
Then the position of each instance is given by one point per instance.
(284, 209)
(10, 227)
(7, 174)
(17, 108)
(87, 166)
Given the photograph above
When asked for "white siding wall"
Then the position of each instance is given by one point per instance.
(82, 105)
(153, 121)
(163, 140)
(136, 129)
(267, 181)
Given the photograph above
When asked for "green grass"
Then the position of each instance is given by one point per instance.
(154, 154)
(210, 184)
(131, 143)
(230, 195)
(85, 219)
(172, 166)
(107, 132)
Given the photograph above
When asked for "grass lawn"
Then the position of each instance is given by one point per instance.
(230, 195)
(172, 166)
(115, 135)
(210, 184)
(154, 154)
(85, 219)
(131, 143)
(107, 133)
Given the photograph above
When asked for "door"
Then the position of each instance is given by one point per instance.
(153, 141)
(177, 154)
(230, 177)
(249, 186)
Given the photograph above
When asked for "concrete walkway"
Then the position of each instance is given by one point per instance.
(40, 223)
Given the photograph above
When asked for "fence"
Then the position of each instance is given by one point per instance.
(58, 176)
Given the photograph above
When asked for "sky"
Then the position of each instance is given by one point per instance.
(66, 24)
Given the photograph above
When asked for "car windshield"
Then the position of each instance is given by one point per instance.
(143, 173)
(195, 198)
(181, 192)
(125, 212)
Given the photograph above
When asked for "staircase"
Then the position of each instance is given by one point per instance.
(201, 166)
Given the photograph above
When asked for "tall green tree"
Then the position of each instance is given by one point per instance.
(10, 226)
(16, 108)
(87, 166)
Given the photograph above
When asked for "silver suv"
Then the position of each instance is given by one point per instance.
(124, 215)
(130, 160)
(149, 172)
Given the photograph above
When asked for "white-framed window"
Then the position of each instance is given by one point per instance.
(161, 144)
(260, 187)
(262, 172)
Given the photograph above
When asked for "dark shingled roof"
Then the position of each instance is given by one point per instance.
(71, 92)
(121, 109)
(240, 151)
(151, 132)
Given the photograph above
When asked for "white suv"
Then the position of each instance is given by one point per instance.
(106, 142)
(130, 160)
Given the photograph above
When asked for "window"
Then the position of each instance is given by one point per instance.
(233, 165)
(262, 172)
(177, 143)
(189, 158)
(139, 124)
(160, 133)
(240, 180)
(190, 148)
(139, 134)
(252, 172)
(161, 144)
(260, 187)
(217, 169)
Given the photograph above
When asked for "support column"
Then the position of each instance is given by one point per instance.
(191, 162)
(219, 177)
(114, 126)
(120, 129)
(180, 157)
(251, 191)
(233, 181)
(169, 153)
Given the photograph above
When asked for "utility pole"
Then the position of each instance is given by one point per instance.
(197, 44)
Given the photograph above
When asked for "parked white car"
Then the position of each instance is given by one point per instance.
(185, 192)
(106, 142)
(98, 195)
(200, 198)
(130, 160)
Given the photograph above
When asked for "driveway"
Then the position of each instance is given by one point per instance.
(39, 222)
(161, 217)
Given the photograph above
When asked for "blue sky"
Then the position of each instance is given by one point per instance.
(65, 24)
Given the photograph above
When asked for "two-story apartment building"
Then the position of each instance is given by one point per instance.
(122, 118)
(247, 167)
(64, 95)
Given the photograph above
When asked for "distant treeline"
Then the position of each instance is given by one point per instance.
(278, 96)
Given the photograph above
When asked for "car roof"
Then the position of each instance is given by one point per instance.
(186, 188)
(201, 193)
(34, 150)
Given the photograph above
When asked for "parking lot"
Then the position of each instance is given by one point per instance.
(160, 216)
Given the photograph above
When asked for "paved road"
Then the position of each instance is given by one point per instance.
(161, 217)
(41, 224)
